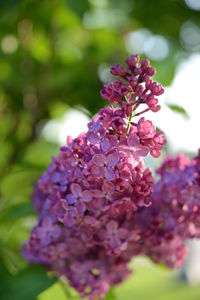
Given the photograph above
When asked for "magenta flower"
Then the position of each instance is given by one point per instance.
(115, 236)
(104, 166)
(94, 200)
(131, 148)
(78, 194)
(48, 231)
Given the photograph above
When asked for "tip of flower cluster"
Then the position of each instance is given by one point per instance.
(134, 86)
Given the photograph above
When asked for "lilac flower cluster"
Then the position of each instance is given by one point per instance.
(91, 196)
(174, 216)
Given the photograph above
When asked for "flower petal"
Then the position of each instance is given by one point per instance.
(112, 226)
(76, 189)
(71, 199)
(105, 144)
(113, 159)
(86, 196)
(109, 174)
(133, 140)
(97, 171)
(93, 137)
(99, 160)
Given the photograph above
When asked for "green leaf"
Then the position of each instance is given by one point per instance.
(17, 186)
(60, 290)
(110, 295)
(178, 109)
(39, 153)
(79, 7)
(7, 8)
(17, 211)
(165, 71)
(26, 285)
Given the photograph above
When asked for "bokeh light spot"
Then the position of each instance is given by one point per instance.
(190, 36)
(143, 41)
(193, 4)
(9, 44)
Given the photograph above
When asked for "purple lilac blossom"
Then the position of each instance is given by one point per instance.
(93, 197)
(174, 216)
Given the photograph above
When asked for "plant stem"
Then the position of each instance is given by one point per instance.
(138, 114)
(129, 121)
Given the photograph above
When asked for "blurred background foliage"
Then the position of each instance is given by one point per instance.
(55, 55)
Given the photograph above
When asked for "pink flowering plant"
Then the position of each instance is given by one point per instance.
(98, 205)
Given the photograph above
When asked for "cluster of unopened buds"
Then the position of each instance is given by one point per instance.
(97, 204)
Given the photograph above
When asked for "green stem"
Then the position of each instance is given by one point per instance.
(65, 289)
(129, 122)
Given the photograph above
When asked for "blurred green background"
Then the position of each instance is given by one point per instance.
(55, 55)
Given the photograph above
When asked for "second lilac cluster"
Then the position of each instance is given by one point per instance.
(161, 230)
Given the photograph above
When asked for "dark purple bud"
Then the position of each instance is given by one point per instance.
(132, 61)
(118, 70)
(125, 90)
(104, 94)
(133, 81)
(156, 89)
(144, 78)
(144, 63)
(137, 71)
(155, 108)
(151, 101)
(117, 84)
(150, 71)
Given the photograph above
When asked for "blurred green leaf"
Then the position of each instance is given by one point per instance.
(12, 261)
(61, 290)
(78, 6)
(16, 212)
(110, 295)
(7, 7)
(41, 48)
(56, 291)
(178, 109)
(165, 71)
(39, 153)
(5, 70)
(25, 285)
(17, 186)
